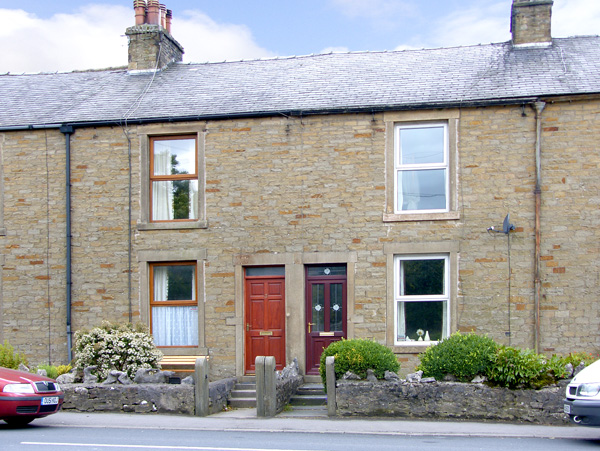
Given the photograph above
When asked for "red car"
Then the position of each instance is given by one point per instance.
(25, 396)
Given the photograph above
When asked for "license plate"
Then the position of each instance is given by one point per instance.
(567, 408)
(50, 401)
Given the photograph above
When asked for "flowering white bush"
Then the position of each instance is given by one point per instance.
(122, 347)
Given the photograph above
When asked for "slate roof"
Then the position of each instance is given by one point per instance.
(308, 84)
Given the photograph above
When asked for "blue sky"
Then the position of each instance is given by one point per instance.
(62, 35)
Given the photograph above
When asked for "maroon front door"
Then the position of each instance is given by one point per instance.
(325, 310)
(264, 317)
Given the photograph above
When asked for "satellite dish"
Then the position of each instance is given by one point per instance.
(507, 226)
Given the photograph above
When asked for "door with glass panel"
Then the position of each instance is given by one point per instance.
(264, 317)
(173, 304)
(325, 310)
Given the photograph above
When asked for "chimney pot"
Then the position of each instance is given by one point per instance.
(531, 22)
(168, 19)
(163, 14)
(153, 16)
(140, 11)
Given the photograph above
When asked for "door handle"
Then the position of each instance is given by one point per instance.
(247, 327)
(309, 326)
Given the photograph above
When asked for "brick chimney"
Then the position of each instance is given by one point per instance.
(151, 46)
(531, 22)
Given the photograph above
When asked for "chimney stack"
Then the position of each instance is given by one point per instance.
(531, 22)
(151, 46)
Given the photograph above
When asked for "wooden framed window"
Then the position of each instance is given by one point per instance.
(174, 303)
(173, 178)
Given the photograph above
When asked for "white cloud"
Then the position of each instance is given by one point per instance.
(94, 38)
(335, 50)
(575, 18)
(91, 38)
(206, 40)
(481, 24)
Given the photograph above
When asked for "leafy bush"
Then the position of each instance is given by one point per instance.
(123, 347)
(358, 356)
(576, 358)
(9, 358)
(463, 356)
(54, 371)
(515, 368)
(556, 367)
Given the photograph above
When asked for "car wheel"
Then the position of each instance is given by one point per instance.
(18, 421)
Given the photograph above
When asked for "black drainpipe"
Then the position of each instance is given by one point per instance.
(68, 130)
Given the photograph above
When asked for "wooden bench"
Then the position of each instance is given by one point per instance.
(179, 363)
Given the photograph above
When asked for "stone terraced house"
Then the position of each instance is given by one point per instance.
(269, 207)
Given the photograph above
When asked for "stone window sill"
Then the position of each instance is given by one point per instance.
(172, 225)
(449, 216)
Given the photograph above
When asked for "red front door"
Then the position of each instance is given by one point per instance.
(325, 311)
(264, 319)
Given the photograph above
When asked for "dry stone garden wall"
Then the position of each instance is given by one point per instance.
(449, 400)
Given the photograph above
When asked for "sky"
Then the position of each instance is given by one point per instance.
(66, 35)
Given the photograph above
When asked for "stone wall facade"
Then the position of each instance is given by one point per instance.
(294, 191)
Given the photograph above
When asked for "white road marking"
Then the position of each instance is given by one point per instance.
(196, 448)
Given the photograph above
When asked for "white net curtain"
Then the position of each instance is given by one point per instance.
(173, 325)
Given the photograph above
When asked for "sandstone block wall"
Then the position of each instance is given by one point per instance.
(293, 188)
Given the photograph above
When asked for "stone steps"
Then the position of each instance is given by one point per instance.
(243, 395)
(310, 397)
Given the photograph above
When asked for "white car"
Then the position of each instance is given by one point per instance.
(583, 396)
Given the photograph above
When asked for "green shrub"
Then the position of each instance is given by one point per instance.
(123, 347)
(358, 356)
(50, 370)
(576, 358)
(556, 366)
(463, 356)
(518, 368)
(54, 371)
(9, 358)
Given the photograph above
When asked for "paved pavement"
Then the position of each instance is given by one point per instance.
(246, 420)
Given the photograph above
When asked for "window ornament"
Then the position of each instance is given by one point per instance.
(318, 308)
(336, 307)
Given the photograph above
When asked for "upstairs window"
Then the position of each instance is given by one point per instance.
(421, 168)
(173, 178)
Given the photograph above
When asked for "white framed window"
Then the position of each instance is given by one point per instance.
(421, 164)
(421, 298)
